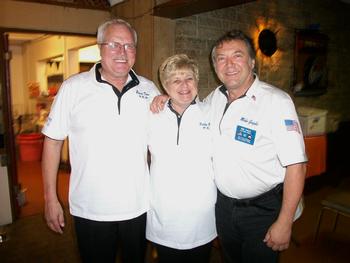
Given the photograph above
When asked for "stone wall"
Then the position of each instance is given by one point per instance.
(196, 34)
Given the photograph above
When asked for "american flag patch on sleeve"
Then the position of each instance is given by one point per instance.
(292, 125)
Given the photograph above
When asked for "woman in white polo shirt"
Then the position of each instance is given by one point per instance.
(181, 219)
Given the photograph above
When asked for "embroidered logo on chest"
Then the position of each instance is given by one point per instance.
(249, 122)
(142, 94)
(204, 125)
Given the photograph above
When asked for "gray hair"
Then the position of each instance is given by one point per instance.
(233, 35)
(114, 21)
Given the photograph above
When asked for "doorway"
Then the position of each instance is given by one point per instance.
(38, 65)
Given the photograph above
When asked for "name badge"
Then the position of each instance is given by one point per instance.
(245, 135)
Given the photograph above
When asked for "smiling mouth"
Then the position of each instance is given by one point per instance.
(232, 73)
(120, 60)
(186, 92)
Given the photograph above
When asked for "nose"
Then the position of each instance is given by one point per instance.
(230, 61)
(120, 50)
(184, 84)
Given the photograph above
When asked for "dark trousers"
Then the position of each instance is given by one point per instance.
(98, 241)
(243, 223)
(199, 254)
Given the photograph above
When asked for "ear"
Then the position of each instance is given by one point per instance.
(253, 63)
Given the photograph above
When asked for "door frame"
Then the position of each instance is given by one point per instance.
(9, 140)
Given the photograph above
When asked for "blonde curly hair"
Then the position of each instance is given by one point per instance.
(175, 63)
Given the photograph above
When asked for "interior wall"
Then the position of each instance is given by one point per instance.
(17, 80)
(41, 17)
(38, 16)
(196, 34)
(5, 204)
(164, 43)
(72, 45)
(51, 47)
(29, 65)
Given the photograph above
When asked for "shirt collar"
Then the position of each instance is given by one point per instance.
(172, 109)
(132, 77)
(251, 92)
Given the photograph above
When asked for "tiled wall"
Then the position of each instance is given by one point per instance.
(196, 34)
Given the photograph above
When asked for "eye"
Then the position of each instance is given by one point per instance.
(110, 45)
(220, 59)
(130, 47)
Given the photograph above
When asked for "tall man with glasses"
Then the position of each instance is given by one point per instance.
(104, 113)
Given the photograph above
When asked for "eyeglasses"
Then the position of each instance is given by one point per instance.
(116, 45)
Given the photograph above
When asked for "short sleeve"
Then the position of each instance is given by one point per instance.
(286, 131)
(57, 124)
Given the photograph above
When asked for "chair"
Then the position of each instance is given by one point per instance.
(339, 203)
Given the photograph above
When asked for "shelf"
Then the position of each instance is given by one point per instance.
(45, 99)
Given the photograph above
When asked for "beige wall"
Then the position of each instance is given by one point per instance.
(17, 80)
(29, 65)
(51, 47)
(35, 16)
(41, 17)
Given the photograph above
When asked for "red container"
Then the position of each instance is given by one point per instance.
(30, 146)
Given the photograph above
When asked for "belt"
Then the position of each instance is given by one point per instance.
(276, 191)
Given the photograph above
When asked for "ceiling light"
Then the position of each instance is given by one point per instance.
(114, 2)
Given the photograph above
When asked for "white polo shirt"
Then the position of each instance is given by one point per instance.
(254, 139)
(183, 192)
(107, 144)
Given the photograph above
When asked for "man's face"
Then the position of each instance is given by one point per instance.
(233, 65)
(182, 89)
(117, 62)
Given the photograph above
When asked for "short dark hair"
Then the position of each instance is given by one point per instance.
(234, 35)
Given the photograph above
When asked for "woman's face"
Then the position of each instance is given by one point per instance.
(182, 88)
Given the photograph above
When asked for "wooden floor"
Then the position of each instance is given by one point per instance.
(29, 240)
(30, 180)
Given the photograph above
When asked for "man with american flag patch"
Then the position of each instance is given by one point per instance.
(259, 156)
